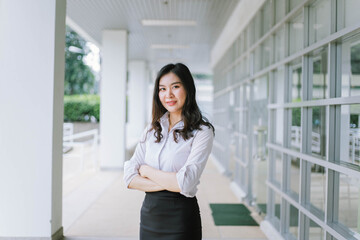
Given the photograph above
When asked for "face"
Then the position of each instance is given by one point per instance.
(172, 93)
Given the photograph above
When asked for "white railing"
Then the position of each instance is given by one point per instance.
(296, 139)
(68, 142)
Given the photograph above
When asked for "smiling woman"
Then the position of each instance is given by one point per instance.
(168, 162)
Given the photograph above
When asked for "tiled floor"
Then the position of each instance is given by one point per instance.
(96, 205)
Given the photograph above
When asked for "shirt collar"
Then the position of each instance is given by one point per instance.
(164, 121)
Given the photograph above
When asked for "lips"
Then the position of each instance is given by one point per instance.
(171, 103)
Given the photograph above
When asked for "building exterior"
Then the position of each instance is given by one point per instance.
(287, 114)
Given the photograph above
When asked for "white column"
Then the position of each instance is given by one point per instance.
(113, 99)
(32, 46)
(137, 101)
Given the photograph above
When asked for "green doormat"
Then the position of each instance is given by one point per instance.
(231, 215)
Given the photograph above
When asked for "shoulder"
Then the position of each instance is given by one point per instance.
(205, 132)
(146, 132)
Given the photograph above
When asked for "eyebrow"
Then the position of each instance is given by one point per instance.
(170, 84)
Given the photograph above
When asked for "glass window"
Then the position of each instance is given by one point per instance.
(250, 32)
(315, 231)
(317, 189)
(319, 20)
(349, 199)
(275, 220)
(279, 10)
(294, 177)
(294, 221)
(350, 135)
(279, 86)
(266, 53)
(295, 135)
(295, 3)
(278, 167)
(244, 72)
(350, 79)
(257, 59)
(280, 44)
(258, 31)
(320, 74)
(277, 205)
(318, 134)
(266, 19)
(351, 14)
(296, 32)
(279, 126)
(296, 81)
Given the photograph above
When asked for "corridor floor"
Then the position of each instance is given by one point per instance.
(96, 205)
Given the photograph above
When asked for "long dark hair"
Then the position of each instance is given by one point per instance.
(191, 114)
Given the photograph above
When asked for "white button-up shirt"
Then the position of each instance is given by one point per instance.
(186, 158)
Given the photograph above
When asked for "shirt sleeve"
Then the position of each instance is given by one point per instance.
(188, 177)
(131, 167)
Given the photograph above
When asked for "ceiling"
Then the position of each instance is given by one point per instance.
(93, 16)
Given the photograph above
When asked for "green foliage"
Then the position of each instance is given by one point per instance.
(81, 108)
(79, 78)
(296, 117)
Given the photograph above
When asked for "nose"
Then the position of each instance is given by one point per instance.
(169, 93)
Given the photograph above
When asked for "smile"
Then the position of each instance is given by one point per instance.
(171, 103)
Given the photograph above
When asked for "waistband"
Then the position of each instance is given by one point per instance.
(165, 194)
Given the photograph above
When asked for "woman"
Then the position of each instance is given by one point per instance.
(168, 162)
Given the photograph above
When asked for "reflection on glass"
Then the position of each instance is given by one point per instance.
(349, 202)
(280, 44)
(351, 14)
(257, 59)
(320, 71)
(250, 34)
(266, 11)
(296, 83)
(258, 26)
(245, 67)
(279, 126)
(296, 34)
(294, 3)
(266, 53)
(317, 188)
(318, 135)
(315, 231)
(350, 79)
(320, 20)
(295, 175)
(295, 137)
(279, 86)
(350, 135)
(279, 10)
(278, 167)
(294, 221)
(277, 205)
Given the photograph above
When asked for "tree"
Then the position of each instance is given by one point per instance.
(79, 78)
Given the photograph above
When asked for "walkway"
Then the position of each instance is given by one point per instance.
(96, 205)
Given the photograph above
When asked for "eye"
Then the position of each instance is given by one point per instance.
(176, 86)
(161, 89)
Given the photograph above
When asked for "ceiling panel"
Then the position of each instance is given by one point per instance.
(211, 15)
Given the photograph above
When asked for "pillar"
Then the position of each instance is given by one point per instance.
(32, 46)
(113, 99)
(137, 101)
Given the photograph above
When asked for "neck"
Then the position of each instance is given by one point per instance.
(174, 118)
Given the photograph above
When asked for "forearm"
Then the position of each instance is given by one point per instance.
(145, 185)
(165, 179)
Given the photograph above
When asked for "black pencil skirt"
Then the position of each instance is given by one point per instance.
(171, 216)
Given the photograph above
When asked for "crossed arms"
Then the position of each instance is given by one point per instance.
(153, 180)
